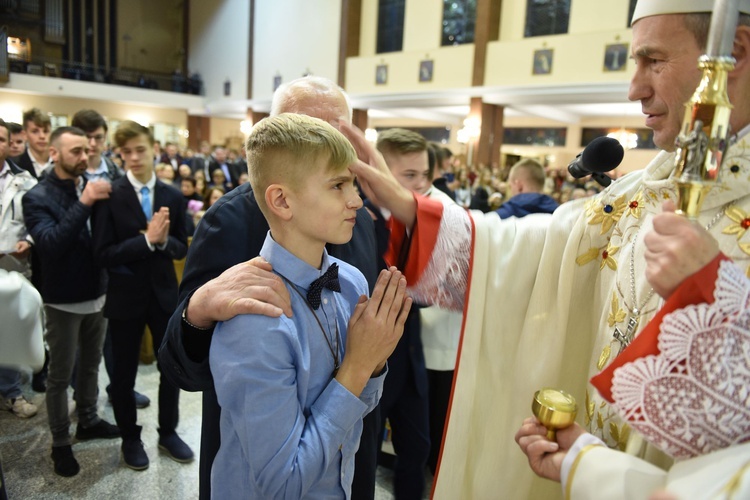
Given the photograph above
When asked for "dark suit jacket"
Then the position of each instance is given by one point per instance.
(24, 161)
(234, 172)
(136, 274)
(165, 159)
(408, 356)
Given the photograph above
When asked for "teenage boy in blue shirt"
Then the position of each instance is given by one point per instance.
(293, 391)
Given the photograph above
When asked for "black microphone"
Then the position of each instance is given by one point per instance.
(601, 155)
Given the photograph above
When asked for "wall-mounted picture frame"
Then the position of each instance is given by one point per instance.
(543, 59)
(381, 74)
(276, 82)
(616, 57)
(426, 68)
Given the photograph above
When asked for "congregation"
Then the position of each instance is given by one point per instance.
(96, 218)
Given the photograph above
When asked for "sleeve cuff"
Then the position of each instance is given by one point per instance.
(583, 441)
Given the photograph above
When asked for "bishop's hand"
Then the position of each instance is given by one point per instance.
(675, 249)
(545, 456)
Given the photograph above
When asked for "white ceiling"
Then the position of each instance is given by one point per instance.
(564, 103)
(567, 104)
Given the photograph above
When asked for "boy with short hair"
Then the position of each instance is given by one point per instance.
(293, 391)
(36, 127)
(138, 234)
(17, 140)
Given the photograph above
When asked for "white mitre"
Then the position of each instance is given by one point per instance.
(646, 8)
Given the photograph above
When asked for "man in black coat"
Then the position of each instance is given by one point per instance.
(137, 234)
(232, 232)
(56, 212)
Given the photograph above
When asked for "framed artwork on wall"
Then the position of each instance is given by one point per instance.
(543, 59)
(381, 74)
(616, 57)
(426, 68)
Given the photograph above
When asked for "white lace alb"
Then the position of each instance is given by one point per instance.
(694, 397)
(443, 282)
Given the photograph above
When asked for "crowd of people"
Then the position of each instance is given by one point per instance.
(294, 315)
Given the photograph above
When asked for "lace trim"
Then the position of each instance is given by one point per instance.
(694, 397)
(446, 276)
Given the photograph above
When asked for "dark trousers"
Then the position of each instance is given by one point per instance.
(407, 413)
(210, 441)
(366, 458)
(126, 346)
(441, 383)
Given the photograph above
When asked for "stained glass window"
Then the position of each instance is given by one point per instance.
(390, 25)
(547, 17)
(459, 20)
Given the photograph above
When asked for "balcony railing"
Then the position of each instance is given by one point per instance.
(175, 82)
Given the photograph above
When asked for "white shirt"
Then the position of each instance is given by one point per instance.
(39, 167)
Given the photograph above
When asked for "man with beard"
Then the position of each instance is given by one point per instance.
(57, 212)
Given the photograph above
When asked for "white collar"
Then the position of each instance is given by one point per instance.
(138, 184)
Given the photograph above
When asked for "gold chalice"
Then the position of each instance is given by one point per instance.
(555, 410)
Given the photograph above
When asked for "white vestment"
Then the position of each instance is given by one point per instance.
(545, 295)
(601, 472)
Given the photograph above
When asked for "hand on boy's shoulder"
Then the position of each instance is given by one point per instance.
(246, 288)
(374, 330)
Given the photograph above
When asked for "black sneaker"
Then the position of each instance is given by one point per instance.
(66, 464)
(39, 381)
(100, 430)
(141, 400)
(134, 455)
(175, 448)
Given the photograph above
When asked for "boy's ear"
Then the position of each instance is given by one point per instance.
(276, 201)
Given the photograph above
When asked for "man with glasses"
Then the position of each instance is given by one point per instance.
(95, 127)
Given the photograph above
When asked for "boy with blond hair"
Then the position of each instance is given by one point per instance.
(293, 391)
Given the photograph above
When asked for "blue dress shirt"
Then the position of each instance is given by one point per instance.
(288, 429)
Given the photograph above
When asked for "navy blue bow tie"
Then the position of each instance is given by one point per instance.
(330, 280)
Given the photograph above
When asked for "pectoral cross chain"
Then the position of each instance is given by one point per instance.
(625, 338)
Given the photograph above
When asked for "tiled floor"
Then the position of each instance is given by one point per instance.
(25, 450)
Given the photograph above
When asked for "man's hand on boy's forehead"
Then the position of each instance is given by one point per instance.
(365, 151)
(376, 179)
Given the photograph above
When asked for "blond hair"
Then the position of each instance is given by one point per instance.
(282, 149)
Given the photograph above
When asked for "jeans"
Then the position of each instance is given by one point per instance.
(66, 333)
(10, 383)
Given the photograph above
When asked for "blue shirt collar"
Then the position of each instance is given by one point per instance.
(290, 266)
